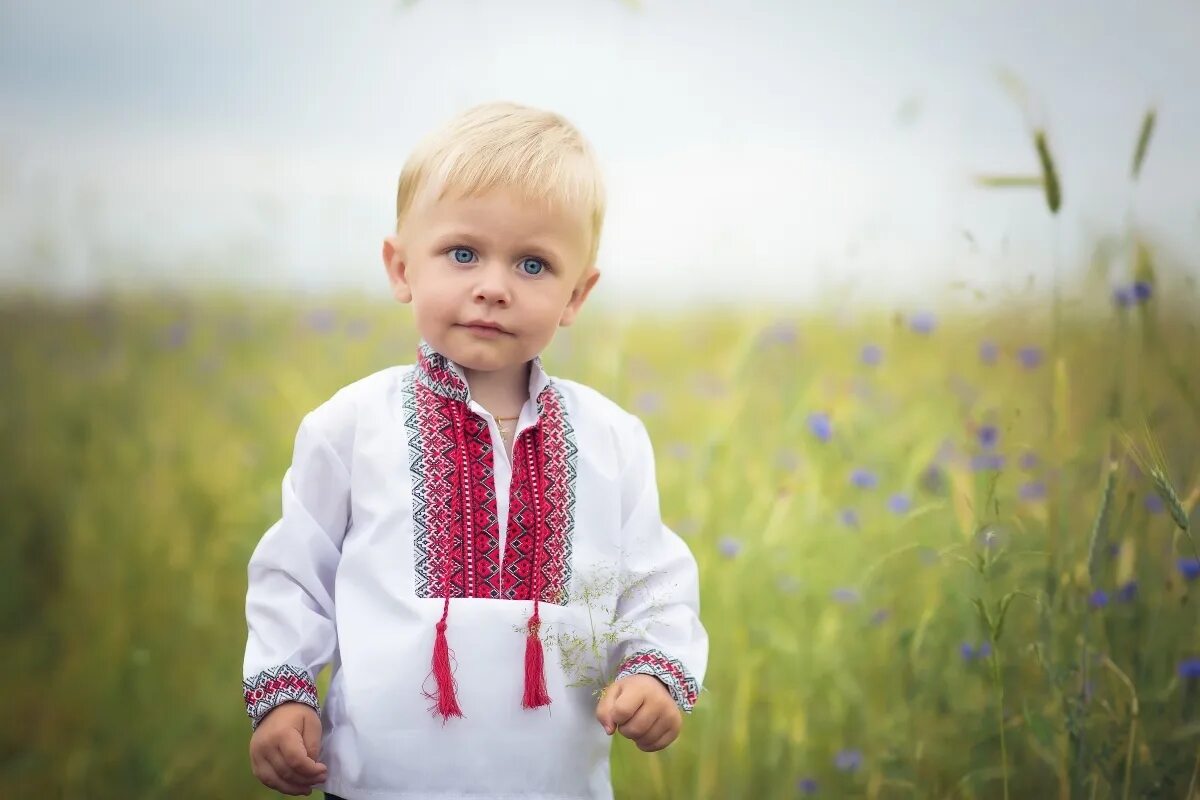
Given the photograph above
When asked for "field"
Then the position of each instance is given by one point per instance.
(941, 556)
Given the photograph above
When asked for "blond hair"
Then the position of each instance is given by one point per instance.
(506, 145)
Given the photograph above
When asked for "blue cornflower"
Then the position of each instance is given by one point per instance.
(729, 546)
(321, 320)
(988, 352)
(848, 760)
(1030, 357)
(1123, 296)
(864, 478)
(1154, 504)
(807, 786)
(922, 322)
(871, 354)
(1128, 592)
(967, 651)
(820, 425)
(1189, 568)
(1029, 460)
(1142, 290)
(988, 436)
(178, 334)
(849, 517)
(880, 616)
(649, 402)
(987, 461)
(1032, 491)
(845, 595)
(985, 650)
(1098, 599)
(1189, 669)
(899, 503)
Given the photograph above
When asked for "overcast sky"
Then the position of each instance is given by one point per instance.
(753, 149)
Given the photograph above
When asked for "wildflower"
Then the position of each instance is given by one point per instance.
(922, 322)
(988, 352)
(1123, 296)
(1154, 504)
(729, 546)
(820, 425)
(1189, 669)
(1029, 460)
(864, 478)
(985, 650)
(880, 616)
(871, 355)
(1032, 491)
(1128, 592)
(988, 436)
(849, 517)
(807, 786)
(1189, 568)
(899, 503)
(321, 320)
(649, 402)
(848, 760)
(1142, 291)
(845, 595)
(1098, 599)
(1030, 357)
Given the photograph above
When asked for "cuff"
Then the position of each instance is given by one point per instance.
(272, 687)
(671, 672)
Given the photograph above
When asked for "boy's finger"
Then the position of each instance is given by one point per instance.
(296, 756)
(639, 724)
(604, 709)
(311, 732)
(626, 705)
(279, 776)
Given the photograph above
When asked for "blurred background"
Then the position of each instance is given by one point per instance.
(906, 295)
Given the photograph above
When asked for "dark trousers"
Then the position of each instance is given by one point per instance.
(329, 796)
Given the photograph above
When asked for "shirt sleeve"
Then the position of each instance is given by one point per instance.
(658, 624)
(289, 599)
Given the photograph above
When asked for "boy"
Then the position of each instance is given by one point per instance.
(473, 476)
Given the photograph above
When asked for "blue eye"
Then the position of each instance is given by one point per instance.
(462, 255)
(538, 266)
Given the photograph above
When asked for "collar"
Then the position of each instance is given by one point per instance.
(446, 377)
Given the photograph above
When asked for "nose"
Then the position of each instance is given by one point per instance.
(492, 285)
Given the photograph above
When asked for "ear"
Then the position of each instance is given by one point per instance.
(397, 270)
(582, 290)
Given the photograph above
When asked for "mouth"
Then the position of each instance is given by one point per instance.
(484, 327)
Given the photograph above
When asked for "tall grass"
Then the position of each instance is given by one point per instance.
(867, 499)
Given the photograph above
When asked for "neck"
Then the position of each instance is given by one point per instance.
(503, 391)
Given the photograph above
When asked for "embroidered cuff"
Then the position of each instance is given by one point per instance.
(671, 672)
(272, 687)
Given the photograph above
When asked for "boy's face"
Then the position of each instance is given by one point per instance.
(494, 258)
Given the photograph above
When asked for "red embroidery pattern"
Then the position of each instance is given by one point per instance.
(670, 671)
(455, 521)
(281, 684)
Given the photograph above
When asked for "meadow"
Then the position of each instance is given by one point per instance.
(942, 555)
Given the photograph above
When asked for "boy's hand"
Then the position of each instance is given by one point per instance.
(641, 708)
(284, 748)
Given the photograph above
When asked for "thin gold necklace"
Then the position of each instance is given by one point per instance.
(503, 428)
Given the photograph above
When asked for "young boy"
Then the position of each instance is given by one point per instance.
(446, 522)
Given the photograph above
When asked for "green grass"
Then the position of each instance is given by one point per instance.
(143, 440)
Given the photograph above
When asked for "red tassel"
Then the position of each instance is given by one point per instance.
(446, 703)
(536, 694)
